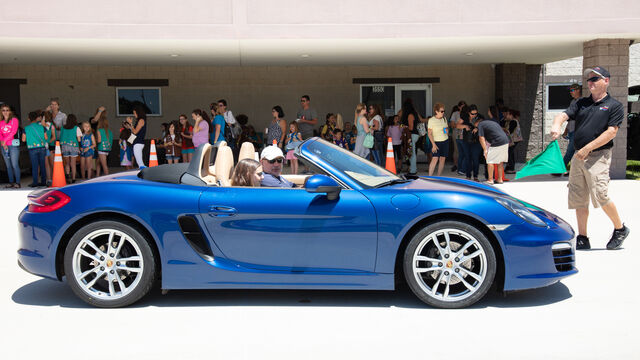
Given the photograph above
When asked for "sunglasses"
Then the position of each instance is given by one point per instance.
(278, 160)
(475, 113)
(594, 79)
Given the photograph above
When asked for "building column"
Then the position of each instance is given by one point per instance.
(612, 54)
(520, 86)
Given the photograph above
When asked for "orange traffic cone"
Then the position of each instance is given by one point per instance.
(57, 179)
(391, 160)
(495, 174)
(153, 156)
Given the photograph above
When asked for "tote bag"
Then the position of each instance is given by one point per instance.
(368, 141)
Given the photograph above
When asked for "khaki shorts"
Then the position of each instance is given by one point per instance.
(589, 178)
(498, 154)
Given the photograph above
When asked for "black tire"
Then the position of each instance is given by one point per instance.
(457, 276)
(140, 276)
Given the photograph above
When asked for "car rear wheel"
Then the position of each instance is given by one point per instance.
(109, 264)
(449, 264)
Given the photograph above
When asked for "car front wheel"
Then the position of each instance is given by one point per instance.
(449, 264)
(109, 264)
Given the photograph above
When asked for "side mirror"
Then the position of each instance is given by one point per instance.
(324, 185)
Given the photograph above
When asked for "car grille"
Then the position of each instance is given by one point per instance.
(563, 256)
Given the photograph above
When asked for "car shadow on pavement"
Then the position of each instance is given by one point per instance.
(46, 292)
(526, 298)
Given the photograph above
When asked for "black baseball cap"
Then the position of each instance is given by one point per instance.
(604, 73)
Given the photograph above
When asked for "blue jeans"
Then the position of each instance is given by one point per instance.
(11, 157)
(376, 155)
(474, 151)
(37, 156)
(570, 149)
(463, 153)
(511, 164)
(413, 166)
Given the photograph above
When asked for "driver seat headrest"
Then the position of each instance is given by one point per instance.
(247, 151)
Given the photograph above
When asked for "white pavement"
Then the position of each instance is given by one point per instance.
(592, 315)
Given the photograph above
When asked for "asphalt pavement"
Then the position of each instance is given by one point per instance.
(592, 315)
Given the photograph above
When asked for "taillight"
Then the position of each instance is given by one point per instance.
(49, 201)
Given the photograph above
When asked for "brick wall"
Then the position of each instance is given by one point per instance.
(613, 54)
(520, 86)
(252, 90)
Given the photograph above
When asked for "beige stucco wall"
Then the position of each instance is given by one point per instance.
(249, 90)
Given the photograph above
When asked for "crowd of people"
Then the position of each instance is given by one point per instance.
(471, 137)
(461, 134)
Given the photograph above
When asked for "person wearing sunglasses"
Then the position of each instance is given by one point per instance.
(598, 118)
(271, 160)
(9, 128)
(307, 117)
(437, 130)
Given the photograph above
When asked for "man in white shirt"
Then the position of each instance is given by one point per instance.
(228, 115)
(59, 118)
(236, 129)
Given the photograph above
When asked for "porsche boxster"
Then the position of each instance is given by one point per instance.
(349, 224)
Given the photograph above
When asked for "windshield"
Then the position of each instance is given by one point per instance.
(364, 172)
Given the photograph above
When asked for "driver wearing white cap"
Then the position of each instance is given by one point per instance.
(271, 160)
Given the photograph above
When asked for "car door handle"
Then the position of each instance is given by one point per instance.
(219, 210)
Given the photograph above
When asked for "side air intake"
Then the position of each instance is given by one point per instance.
(192, 232)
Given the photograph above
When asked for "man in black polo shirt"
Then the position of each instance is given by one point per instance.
(598, 118)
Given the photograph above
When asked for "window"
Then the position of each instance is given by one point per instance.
(558, 97)
(383, 95)
(391, 96)
(127, 98)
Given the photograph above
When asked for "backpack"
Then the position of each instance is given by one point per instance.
(228, 134)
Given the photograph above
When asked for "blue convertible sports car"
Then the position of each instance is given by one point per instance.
(349, 225)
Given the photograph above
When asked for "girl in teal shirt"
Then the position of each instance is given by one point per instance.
(69, 142)
(36, 139)
(105, 141)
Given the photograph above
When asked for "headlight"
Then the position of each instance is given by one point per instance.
(520, 210)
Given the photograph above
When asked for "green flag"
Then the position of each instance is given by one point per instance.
(547, 162)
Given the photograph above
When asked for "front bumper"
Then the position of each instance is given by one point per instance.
(536, 256)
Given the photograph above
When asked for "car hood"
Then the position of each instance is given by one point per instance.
(434, 183)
